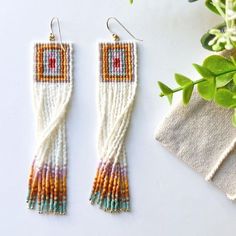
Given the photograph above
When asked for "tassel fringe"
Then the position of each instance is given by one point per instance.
(111, 188)
(47, 189)
(116, 95)
(52, 89)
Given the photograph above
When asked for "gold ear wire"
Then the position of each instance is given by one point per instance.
(115, 36)
(52, 36)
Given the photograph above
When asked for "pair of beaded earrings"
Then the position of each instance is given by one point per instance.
(52, 90)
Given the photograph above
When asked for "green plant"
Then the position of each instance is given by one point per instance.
(218, 74)
(217, 83)
(222, 36)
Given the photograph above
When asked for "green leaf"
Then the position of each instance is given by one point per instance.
(182, 80)
(164, 88)
(218, 64)
(187, 93)
(234, 119)
(170, 98)
(207, 37)
(211, 7)
(234, 79)
(166, 91)
(225, 98)
(224, 79)
(231, 87)
(233, 60)
(207, 89)
(203, 71)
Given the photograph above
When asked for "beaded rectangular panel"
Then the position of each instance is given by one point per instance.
(117, 62)
(52, 62)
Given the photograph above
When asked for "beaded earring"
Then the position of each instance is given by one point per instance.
(116, 89)
(52, 89)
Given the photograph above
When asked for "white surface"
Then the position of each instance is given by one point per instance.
(168, 198)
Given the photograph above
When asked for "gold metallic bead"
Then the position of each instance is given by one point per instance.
(116, 37)
(52, 37)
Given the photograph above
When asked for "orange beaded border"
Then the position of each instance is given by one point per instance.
(65, 60)
(129, 62)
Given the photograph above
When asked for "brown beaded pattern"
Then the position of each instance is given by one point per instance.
(63, 51)
(117, 62)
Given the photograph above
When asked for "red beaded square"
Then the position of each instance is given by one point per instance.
(117, 62)
(52, 62)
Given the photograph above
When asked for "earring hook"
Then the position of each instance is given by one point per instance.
(115, 36)
(52, 36)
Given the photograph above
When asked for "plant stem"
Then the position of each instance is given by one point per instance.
(181, 88)
(217, 6)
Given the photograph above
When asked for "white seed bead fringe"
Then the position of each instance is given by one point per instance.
(50, 104)
(116, 101)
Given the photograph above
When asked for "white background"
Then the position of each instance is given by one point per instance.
(167, 197)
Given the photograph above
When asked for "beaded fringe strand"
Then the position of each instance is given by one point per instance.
(117, 89)
(47, 189)
(111, 188)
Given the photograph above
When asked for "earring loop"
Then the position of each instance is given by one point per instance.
(52, 36)
(114, 35)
